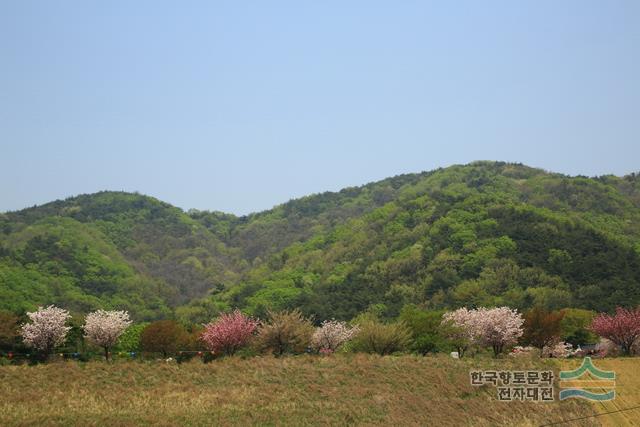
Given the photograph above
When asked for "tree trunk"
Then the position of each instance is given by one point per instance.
(497, 349)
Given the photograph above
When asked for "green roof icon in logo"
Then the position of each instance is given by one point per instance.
(606, 377)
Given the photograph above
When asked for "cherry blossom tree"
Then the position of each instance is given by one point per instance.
(493, 327)
(497, 327)
(229, 332)
(47, 329)
(622, 328)
(103, 328)
(331, 335)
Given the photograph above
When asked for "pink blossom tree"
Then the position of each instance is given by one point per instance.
(47, 329)
(331, 335)
(497, 327)
(229, 332)
(622, 328)
(103, 328)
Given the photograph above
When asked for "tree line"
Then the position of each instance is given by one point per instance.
(497, 330)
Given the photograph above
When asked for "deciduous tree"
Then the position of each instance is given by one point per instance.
(542, 327)
(229, 332)
(497, 327)
(103, 328)
(285, 332)
(163, 336)
(492, 327)
(331, 335)
(47, 329)
(622, 328)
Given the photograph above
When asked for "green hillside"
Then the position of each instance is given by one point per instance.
(480, 234)
(110, 249)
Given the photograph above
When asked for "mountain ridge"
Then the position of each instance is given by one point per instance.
(194, 263)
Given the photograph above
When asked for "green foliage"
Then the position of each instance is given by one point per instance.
(9, 330)
(109, 250)
(425, 329)
(487, 233)
(381, 338)
(130, 339)
(575, 326)
(285, 332)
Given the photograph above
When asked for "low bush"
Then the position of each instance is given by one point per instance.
(285, 332)
(381, 338)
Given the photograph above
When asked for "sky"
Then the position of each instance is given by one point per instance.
(241, 105)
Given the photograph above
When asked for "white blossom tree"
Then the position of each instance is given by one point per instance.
(331, 335)
(47, 329)
(497, 327)
(492, 327)
(103, 328)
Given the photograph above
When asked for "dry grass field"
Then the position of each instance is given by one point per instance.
(627, 391)
(340, 390)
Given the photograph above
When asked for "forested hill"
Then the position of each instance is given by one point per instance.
(480, 234)
(110, 249)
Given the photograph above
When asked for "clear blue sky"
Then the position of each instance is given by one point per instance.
(237, 106)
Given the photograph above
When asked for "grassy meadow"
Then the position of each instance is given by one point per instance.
(352, 389)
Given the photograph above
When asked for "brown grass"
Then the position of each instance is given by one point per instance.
(343, 389)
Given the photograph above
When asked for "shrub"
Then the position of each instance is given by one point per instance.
(622, 328)
(47, 329)
(558, 349)
(103, 328)
(163, 336)
(606, 347)
(381, 338)
(229, 333)
(331, 335)
(285, 332)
